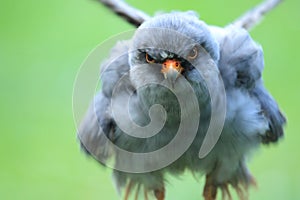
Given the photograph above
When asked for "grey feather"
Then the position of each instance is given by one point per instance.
(272, 112)
(241, 64)
(98, 125)
(241, 59)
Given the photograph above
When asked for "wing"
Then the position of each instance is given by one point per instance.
(241, 64)
(270, 108)
(97, 128)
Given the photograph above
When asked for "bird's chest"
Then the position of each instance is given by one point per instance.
(159, 95)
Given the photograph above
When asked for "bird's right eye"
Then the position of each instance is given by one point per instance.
(149, 59)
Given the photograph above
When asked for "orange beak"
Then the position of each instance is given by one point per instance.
(171, 69)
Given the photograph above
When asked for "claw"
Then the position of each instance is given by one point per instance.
(225, 192)
(128, 190)
(145, 194)
(253, 182)
(241, 193)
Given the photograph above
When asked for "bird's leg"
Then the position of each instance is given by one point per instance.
(128, 190)
(160, 193)
(210, 190)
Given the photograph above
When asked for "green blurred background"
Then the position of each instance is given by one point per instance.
(42, 45)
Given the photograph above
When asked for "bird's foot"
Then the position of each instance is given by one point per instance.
(128, 190)
(225, 191)
(241, 188)
(158, 193)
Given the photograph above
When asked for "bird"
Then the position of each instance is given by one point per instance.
(176, 69)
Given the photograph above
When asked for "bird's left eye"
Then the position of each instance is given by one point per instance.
(193, 54)
(149, 59)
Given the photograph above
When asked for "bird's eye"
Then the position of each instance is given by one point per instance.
(149, 59)
(193, 54)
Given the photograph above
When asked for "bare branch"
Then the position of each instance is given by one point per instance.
(255, 15)
(132, 15)
(137, 17)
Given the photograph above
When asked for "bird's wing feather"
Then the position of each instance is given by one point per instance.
(97, 128)
(270, 108)
(241, 59)
(241, 64)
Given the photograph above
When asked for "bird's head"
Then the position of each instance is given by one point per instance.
(170, 47)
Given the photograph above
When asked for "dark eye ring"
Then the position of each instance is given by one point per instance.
(193, 54)
(149, 59)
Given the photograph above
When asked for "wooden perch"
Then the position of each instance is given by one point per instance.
(137, 17)
(251, 18)
(132, 15)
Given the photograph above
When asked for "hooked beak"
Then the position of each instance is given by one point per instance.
(171, 69)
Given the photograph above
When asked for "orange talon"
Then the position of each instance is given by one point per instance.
(128, 190)
(145, 194)
(225, 192)
(253, 182)
(241, 193)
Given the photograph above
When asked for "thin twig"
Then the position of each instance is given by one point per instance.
(132, 15)
(137, 17)
(255, 15)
